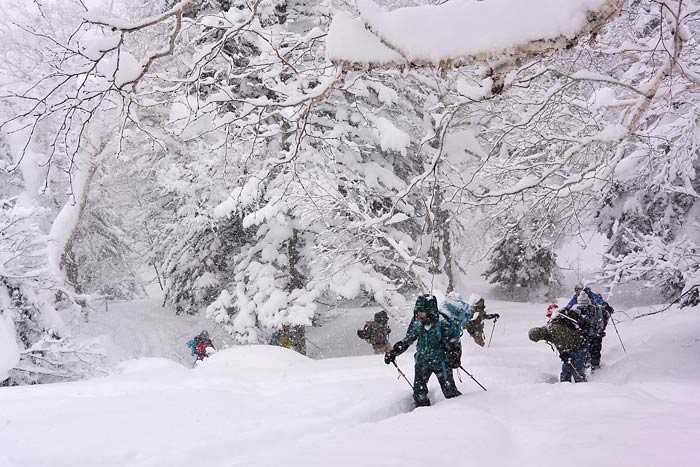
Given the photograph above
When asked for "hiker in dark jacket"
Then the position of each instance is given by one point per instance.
(475, 326)
(376, 332)
(438, 350)
(604, 309)
(566, 332)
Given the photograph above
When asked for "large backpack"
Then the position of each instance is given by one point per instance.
(378, 333)
(595, 319)
(202, 350)
(458, 313)
(453, 346)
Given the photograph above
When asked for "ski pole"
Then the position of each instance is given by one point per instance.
(492, 329)
(401, 373)
(583, 378)
(470, 375)
(618, 333)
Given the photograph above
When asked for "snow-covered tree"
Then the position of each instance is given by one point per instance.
(523, 268)
(297, 151)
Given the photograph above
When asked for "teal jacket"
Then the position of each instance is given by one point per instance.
(431, 346)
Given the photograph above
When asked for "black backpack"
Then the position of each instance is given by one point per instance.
(377, 334)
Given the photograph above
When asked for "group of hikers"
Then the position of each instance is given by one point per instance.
(290, 337)
(576, 331)
(470, 317)
(438, 336)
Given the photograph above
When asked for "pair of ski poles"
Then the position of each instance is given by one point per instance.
(401, 373)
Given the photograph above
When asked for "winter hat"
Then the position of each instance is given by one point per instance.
(479, 304)
(551, 308)
(474, 299)
(427, 303)
(381, 317)
(538, 334)
(579, 286)
(583, 298)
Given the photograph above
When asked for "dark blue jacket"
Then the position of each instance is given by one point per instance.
(595, 298)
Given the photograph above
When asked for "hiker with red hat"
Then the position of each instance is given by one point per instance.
(567, 332)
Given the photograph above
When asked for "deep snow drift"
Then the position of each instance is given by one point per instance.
(265, 406)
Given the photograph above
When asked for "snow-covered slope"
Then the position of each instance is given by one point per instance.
(143, 328)
(267, 406)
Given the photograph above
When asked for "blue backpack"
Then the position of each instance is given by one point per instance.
(458, 313)
(193, 346)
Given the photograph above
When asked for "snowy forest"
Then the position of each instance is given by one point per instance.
(263, 161)
(220, 218)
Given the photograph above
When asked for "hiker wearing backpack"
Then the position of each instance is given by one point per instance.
(201, 346)
(594, 327)
(376, 332)
(567, 332)
(282, 337)
(603, 313)
(290, 337)
(475, 326)
(438, 350)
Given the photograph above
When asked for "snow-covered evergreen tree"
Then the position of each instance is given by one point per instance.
(523, 268)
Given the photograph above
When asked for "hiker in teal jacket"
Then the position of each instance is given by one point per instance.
(438, 350)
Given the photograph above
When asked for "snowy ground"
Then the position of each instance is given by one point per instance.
(267, 406)
(143, 328)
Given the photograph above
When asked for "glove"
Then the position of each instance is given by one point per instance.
(399, 348)
(454, 357)
(608, 309)
(495, 316)
(389, 357)
(565, 356)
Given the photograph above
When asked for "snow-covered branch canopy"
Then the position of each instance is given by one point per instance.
(457, 33)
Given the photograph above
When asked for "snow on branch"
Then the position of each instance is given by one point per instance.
(96, 16)
(458, 33)
(136, 71)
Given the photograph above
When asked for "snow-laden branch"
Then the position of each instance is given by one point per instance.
(458, 33)
(98, 17)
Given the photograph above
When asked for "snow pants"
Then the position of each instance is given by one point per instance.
(596, 347)
(575, 367)
(420, 383)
